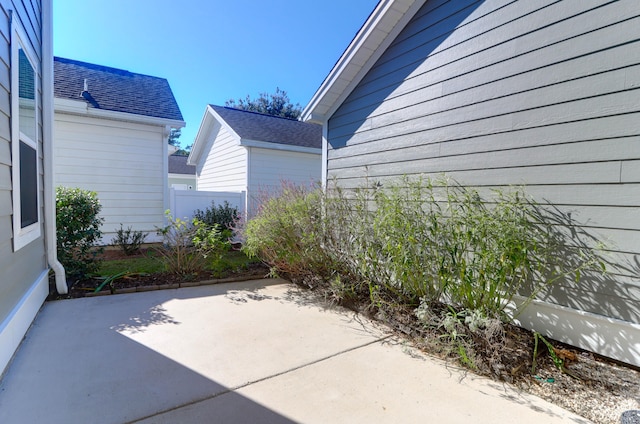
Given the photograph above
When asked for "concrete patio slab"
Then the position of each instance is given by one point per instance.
(259, 351)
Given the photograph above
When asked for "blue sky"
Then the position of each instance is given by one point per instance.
(213, 50)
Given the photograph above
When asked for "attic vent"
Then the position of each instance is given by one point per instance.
(85, 91)
(87, 96)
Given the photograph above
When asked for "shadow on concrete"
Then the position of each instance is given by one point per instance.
(75, 366)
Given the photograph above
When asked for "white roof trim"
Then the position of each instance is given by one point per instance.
(75, 107)
(279, 146)
(378, 32)
(206, 125)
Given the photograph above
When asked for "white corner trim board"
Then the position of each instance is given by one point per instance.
(16, 324)
(606, 336)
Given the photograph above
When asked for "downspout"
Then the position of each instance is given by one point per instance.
(47, 142)
(248, 185)
(325, 154)
(166, 204)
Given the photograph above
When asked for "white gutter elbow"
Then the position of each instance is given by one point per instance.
(56, 266)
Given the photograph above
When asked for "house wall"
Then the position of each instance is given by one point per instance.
(182, 182)
(23, 274)
(224, 166)
(530, 92)
(122, 162)
(269, 168)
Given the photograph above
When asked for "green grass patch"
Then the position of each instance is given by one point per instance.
(151, 263)
(232, 260)
(141, 264)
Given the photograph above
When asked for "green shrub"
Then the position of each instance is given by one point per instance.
(189, 246)
(129, 240)
(78, 231)
(225, 216)
(287, 233)
(418, 241)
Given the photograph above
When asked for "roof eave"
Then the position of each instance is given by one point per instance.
(75, 107)
(378, 32)
(204, 129)
(279, 146)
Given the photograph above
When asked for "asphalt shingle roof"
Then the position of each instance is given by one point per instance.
(115, 89)
(178, 165)
(259, 127)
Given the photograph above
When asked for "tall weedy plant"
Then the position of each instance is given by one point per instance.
(189, 246)
(419, 242)
(287, 233)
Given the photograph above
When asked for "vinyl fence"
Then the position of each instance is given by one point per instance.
(184, 203)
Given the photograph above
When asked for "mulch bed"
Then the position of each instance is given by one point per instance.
(155, 281)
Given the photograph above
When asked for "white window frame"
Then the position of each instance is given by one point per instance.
(19, 39)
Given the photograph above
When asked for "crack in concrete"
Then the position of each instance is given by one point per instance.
(269, 377)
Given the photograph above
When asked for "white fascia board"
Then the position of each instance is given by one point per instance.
(378, 32)
(224, 124)
(75, 107)
(185, 176)
(201, 136)
(279, 146)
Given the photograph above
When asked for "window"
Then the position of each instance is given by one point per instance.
(24, 140)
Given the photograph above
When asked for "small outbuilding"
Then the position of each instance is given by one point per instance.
(238, 150)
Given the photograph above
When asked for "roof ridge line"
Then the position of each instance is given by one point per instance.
(256, 113)
(103, 68)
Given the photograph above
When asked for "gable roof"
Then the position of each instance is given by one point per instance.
(178, 165)
(252, 129)
(383, 25)
(114, 89)
(271, 129)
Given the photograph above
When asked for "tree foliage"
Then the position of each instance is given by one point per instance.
(174, 137)
(275, 104)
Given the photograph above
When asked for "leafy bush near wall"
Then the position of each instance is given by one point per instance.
(287, 234)
(418, 242)
(78, 230)
(452, 256)
(188, 246)
(225, 216)
(129, 240)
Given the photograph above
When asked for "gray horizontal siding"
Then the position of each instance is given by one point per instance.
(493, 93)
(18, 270)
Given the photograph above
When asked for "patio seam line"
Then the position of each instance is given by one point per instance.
(269, 377)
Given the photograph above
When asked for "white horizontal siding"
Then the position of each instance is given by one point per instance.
(531, 93)
(223, 167)
(182, 180)
(269, 169)
(122, 162)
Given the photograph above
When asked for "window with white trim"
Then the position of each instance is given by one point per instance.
(24, 140)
